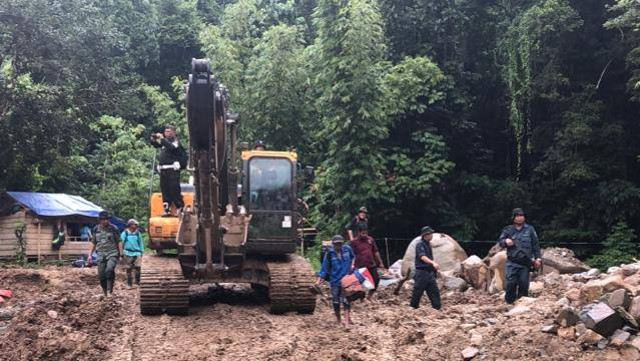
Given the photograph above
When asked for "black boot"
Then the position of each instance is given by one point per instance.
(129, 279)
(109, 287)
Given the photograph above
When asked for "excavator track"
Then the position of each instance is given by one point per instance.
(290, 282)
(163, 291)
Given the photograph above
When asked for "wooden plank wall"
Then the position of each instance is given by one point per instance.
(38, 238)
(8, 241)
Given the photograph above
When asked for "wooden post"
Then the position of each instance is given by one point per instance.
(64, 231)
(38, 240)
(386, 244)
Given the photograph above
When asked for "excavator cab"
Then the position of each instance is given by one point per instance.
(162, 229)
(269, 195)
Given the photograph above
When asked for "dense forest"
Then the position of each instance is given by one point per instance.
(439, 112)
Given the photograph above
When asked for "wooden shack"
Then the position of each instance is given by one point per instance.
(28, 222)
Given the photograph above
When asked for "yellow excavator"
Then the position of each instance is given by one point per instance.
(242, 224)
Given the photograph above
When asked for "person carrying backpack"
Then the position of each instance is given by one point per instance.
(133, 250)
(171, 160)
(337, 263)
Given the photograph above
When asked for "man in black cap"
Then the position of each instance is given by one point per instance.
(260, 145)
(106, 240)
(172, 158)
(523, 252)
(426, 270)
(354, 225)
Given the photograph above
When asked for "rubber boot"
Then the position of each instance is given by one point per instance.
(109, 287)
(129, 279)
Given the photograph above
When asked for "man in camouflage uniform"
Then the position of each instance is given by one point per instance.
(106, 241)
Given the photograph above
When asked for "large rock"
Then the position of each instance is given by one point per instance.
(630, 269)
(446, 251)
(497, 271)
(634, 309)
(613, 283)
(619, 338)
(568, 317)
(455, 284)
(602, 319)
(626, 317)
(590, 292)
(617, 298)
(475, 272)
(562, 260)
(469, 353)
(568, 333)
(589, 338)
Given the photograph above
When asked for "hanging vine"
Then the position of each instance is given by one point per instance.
(526, 43)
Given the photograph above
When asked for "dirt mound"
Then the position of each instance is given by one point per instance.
(55, 315)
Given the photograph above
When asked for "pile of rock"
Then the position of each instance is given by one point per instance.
(599, 310)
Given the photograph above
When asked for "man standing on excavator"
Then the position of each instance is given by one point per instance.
(172, 158)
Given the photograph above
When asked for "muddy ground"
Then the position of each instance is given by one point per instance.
(230, 322)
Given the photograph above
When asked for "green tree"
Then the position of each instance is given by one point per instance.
(620, 247)
(120, 168)
(359, 98)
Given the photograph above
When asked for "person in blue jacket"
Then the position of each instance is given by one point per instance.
(337, 263)
(133, 249)
(523, 253)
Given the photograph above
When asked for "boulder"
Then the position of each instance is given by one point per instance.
(536, 288)
(630, 269)
(602, 319)
(549, 329)
(446, 251)
(626, 317)
(589, 338)
(573, 294)
(634, 309)
(518, 310)
(590, 292)
(619, 338)
(563, 260)
(567, 317)
(636, 343)
(497, 270)
(476, 339)
(617, 298)
(613, 283)
(469, 353)
(562, 302)
(455, 284)
(475, 272)
(567, 333)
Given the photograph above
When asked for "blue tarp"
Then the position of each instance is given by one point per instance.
(56, 204)
(61, 205)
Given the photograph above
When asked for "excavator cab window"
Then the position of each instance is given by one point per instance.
(270, 184)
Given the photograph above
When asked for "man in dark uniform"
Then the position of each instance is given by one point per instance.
(523, 252)
(172, 158)
(426, 271)
(106, 240)
(260, 145)
(361, 217)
